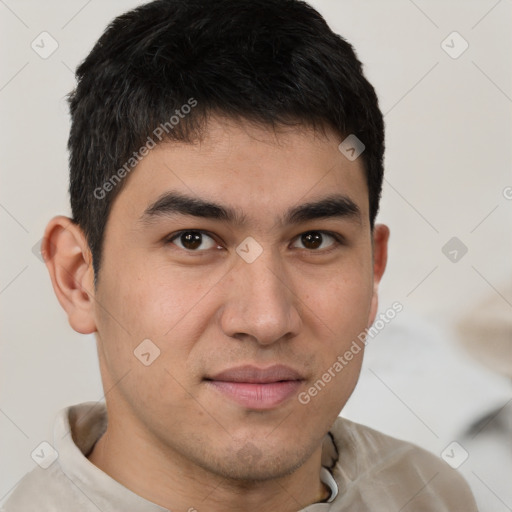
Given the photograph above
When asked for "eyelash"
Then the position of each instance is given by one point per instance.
(339, 240)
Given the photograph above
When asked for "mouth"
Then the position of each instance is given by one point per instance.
(257, 388)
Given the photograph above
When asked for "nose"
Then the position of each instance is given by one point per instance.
(260, 302)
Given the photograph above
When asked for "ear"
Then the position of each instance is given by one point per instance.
(69, 262)
(380, 258)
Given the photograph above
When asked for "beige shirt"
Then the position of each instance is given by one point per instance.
(371, 472)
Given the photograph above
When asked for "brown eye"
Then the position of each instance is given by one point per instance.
(191, 240)
(313, 240)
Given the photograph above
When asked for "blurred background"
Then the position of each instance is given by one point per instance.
(439, 374)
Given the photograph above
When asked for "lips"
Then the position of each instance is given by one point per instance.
(252, 374)
(257, 388)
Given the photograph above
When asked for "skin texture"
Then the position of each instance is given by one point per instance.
(173, 438)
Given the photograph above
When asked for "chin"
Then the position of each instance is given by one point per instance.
(250, 464)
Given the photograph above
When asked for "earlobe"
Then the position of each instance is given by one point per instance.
(69, 262)
(380, 258)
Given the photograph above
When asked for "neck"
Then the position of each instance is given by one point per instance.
(166, 478)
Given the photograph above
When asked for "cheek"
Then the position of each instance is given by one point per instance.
(156, 302)
(145, 338)
(150, 297)
(341, 297)
(339, 305)
(341, 314)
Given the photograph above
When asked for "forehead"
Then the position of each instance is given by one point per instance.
(254, 171)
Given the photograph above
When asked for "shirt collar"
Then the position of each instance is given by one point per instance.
(329, 459)
(76, 430)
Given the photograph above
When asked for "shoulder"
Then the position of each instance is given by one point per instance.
(403, 473)
(42, 490)
(52, 489)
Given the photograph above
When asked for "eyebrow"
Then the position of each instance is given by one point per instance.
(172, 203)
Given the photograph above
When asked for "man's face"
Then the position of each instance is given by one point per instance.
(214, 300)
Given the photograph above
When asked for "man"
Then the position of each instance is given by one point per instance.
(226, 164)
